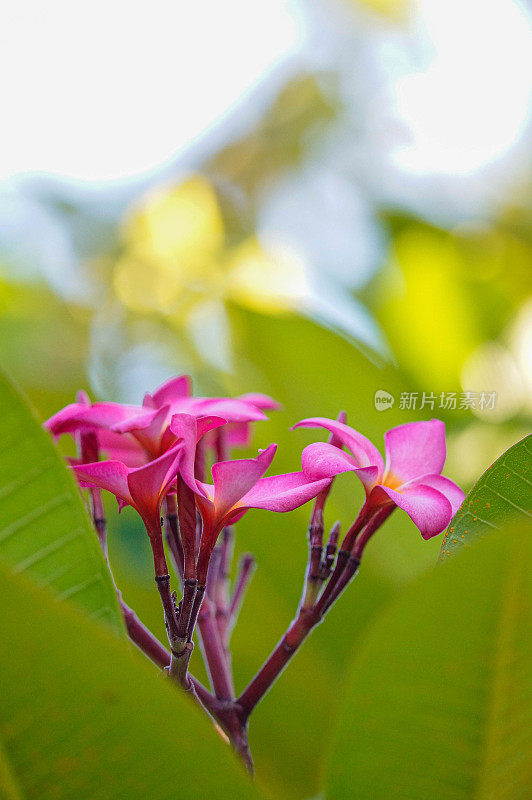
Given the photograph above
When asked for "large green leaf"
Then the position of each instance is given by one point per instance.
(503, 491)
(86, 717)
(44, 528)
(438, 703)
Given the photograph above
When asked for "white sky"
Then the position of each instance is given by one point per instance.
(109, 90)
(105, 90)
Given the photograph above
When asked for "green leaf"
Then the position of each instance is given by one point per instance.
(44, 527)
(504, 491)
(87, 717)
(438, 703)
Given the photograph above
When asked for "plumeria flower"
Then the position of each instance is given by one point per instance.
(177, 394)
(239, 411)
(151, 429)
(83, 416)
(144, 488)
(137, 434)
(410, 478)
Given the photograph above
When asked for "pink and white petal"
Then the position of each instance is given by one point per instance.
(233, 479)
(415, 449)
(363, 450)
(109, 475)
(262, 401)
(168, 392)
(185, 428)
(428, 508)
(282, 492)
(446, 486)
(149, 484)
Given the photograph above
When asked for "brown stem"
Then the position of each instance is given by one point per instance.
(272, 668)
(214, 653)
(198, 599)
(330, 550)
(316, 574)
(222, 585)
(144, 639)
(342, 558)
(244, 575)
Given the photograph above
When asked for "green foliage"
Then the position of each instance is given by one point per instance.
(87, 717)
(503, 491)
(438, 703)
(44, 528)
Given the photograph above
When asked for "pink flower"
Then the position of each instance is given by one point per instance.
(177, 394)
(151, 429)
(84, 416)
(137, 434)
(144, 488)
(410, 478)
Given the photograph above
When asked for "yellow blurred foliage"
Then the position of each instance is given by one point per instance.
(266, 281)
(174, 255)
(426, 313)
(179, 227)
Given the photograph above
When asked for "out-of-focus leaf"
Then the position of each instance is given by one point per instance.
(438, 703)
(504, 491)
(443, 294)
(87, 717)
(302, 109)
(44, 528)
(32, 323)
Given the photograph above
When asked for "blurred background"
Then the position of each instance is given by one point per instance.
(318, 199)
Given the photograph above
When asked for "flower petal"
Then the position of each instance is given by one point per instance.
(121, 447)
(169, 391)
(363, 450)
(323, 460)
(148, 484)
(109, 475)
(282, 492)
(263, 401)
(415, 449)
(185, 428)
(447, 487)
(239, 434)
(206, 424)
(233, 479)
(229, 408)
(428, 508)
(147, 428)
(99, 415)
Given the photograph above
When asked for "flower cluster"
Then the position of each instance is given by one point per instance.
(156, 459)
(169, 437)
